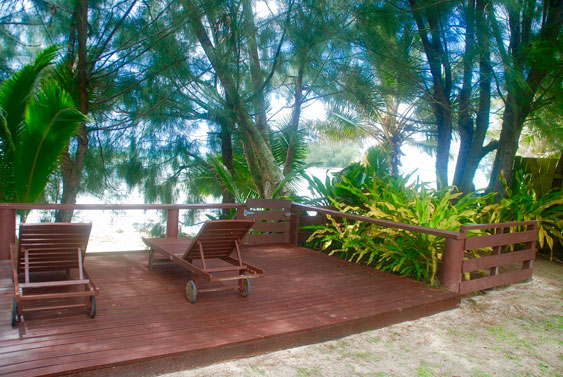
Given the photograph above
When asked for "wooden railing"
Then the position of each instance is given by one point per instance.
(280, 221)
(273, 221)
(512, 243)
(8, 215)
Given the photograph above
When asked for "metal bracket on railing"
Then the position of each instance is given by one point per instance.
(246, 213)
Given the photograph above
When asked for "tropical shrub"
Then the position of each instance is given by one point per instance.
(385, 197)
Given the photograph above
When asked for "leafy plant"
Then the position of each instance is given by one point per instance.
(37, 120)
(367, 189)
(390, 249)
(523, 203)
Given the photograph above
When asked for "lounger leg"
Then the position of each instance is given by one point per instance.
(151, 259)
(240, 280)
(20, 309)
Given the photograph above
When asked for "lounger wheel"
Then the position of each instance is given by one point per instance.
(244, 288)
(92, 307)
(15, 316)
(191, 291)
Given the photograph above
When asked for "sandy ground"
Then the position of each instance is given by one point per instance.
(511, 331)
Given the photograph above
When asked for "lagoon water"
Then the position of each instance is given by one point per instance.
(122, 230)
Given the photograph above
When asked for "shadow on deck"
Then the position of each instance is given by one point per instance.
(144, 325)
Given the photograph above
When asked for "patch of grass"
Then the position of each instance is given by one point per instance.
(424, 370)
(512, 357)
(553, 323)
(356, 355)
(479, 373)
(307, 372)
(543, 367)
(504, 336)
(375, 340)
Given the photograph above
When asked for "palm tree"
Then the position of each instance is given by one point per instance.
(37, 120)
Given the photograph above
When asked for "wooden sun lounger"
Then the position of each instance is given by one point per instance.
(217, 239)
(50, 247)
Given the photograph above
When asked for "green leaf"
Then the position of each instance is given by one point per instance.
(50, 121)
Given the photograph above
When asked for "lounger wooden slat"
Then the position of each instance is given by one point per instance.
(51, 247)
(216, 240)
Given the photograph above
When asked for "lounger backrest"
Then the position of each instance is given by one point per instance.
(52, 246)
(218, 238)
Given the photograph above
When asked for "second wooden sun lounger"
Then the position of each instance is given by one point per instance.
(217, 239)
(43, 249)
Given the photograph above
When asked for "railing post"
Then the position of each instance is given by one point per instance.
(452, 262)
(294, 227)
(240, 213)
(172, 223)
(7, 231)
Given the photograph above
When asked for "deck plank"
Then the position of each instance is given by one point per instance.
(144, 324)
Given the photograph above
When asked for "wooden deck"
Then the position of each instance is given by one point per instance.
(144, 325)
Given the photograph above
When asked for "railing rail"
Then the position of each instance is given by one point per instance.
(386, 223)
(116, 207)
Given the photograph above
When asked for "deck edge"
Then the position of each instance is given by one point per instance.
(203, 357)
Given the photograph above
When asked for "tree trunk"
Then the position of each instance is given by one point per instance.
(465, 122)
(508, 145)
(442, 112)
(227, 157)
(477, 152)
(72, 167)
(255, 69)
(295, 117)
(520, 98)
(396, 153)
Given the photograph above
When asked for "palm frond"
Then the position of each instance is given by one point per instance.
(290, 178)
(51, 120)
(225, 176)
(16, 91)
(343, 125)
(426, 146)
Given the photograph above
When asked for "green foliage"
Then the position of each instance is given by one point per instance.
(406, 253)
(37, 124)
(523, 203)
(358, 173)
(368, 191)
